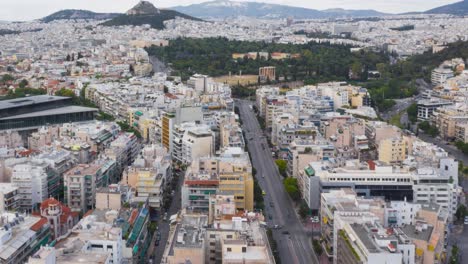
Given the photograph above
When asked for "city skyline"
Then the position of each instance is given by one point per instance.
(40, 8)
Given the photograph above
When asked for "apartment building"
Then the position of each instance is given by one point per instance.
(440, 75)
(447, 118)
(124, 150)
(21, 236)
(168, 120)
(427, 107)
(192, 141)
(8, 197)
(461, 132)
(392, 150)
(35, 181)
(228, 174)
(261, 94)
(93, 234)
(81, 182)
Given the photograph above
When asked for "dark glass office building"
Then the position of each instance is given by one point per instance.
(32, 112)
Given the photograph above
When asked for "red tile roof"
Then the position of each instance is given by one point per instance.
(39, 224)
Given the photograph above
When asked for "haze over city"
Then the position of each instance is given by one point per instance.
(21, 10)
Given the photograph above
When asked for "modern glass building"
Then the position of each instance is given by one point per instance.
(35, 111)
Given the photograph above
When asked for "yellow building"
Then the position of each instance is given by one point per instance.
(447, 118)
(392, 150)
(230, 174)
(235, 177)
(167, 125)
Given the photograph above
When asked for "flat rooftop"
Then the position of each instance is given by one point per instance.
(54, 111)
(84, 257)
(412, 232)
(30, 100)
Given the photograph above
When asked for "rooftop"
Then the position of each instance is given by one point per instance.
(6, 187)
(54, 111)
(22, 231)
(419, 232)
(39, 99)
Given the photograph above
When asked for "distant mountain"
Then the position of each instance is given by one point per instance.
(146, 13)
(459, 8)
(226, 8)
(354, 13)
(77, 14)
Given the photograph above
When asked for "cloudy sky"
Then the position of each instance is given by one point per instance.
(32, 9)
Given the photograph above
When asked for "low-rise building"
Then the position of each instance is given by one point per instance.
(8, 197)
(21, 236)
(427, 107)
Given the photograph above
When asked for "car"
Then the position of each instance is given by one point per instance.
(466, 222)
(277, 227)
(263, 193)
(286, 232)
(158, 236)
(315, 219)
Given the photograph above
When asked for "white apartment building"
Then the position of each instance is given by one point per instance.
(8, 197)
(32, 183)
(440, 75)
(96, 235)
(192, 141)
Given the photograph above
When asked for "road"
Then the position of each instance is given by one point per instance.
(296, 247)
(163, 226)
(403, 104)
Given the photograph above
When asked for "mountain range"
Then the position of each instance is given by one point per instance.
(145, 12)
(459, 8)
(77, 14)
(227, 8)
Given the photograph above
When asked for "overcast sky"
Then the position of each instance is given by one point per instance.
(33, 9)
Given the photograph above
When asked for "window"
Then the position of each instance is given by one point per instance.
(229, 236)
(212, 243)
(212, 235)
(244, 249)
(229, 249)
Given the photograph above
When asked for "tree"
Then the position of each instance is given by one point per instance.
(356, 70)
(23, 83)
(304, 209)
(454, 255)
(461, 212)
(317, 247)
(7, 78)
(65, 92)
(412, 111)
(282, 167)
(292, 188)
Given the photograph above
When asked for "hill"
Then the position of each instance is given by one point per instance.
(77, 14)
(146, 13)
(227, 8)
(459, 8)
